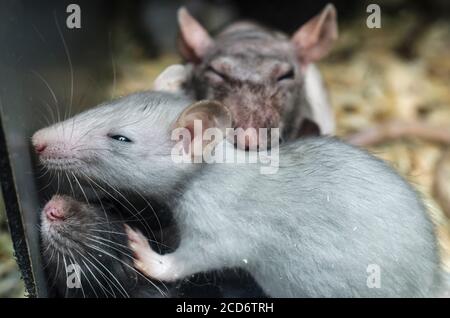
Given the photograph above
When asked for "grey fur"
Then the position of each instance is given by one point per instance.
(311, 229)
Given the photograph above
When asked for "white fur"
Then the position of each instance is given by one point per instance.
(317, 96)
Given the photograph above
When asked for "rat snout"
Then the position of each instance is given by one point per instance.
(39, 143)
(51, 146)
(39, 148)
(253, 129)
(54, 214)
(55, 210)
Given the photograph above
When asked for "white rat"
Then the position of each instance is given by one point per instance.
(333, 221)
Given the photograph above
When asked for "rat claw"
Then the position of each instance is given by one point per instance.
(140, 266)
(134, 235)
(146, 260)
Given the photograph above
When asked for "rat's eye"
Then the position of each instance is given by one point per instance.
(286, 76)
(120, 138)
(216, 73)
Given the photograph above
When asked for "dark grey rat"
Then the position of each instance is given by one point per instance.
(91, 238)
(265, 78)
(82, 239)
(329, 221)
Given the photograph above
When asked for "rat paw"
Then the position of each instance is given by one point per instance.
(136, 238)
(147, 261)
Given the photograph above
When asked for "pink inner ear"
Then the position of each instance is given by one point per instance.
(194, 40)
(316, 37)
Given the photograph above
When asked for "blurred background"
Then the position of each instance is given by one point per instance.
(399, 72)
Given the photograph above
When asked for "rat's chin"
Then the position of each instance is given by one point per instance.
(61, 164)
(54, 235)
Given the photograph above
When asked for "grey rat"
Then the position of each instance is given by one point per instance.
(265, 78)
(318, 227)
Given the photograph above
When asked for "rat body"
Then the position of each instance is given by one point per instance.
(266, 79)
(317, 227)
(80, 237)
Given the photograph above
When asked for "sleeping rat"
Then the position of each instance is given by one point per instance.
(328, 222)
(81, 238)
(93, 237)
(265, 79)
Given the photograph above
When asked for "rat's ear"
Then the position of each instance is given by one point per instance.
(193, 41)
(315, 38)
(212, 114)
(172, 78)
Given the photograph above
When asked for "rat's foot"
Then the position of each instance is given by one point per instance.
(150, 263)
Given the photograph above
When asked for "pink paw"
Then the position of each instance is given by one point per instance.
(148, 261)
(139, 245)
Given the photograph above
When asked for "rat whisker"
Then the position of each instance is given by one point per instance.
(138, 212)
(132, 268)
(70, 184)
(43, 119)
(154, 213)
(50, 182)
(66, 49)
(111, 222)
(99, 200)
(81, 188)
(51, 256)
(112, 285)
(55, 277)
(109, 241)
(144, 223)
(52, 93)
(124, 234)
(50, 110)
(89, 281)
(128, 255)
(122, 290)
(95, 278)
(44, 172)
(57, 189)
(105, 291)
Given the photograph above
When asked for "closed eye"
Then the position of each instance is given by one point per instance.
(120, 138)
(286, 76)
(216, 72)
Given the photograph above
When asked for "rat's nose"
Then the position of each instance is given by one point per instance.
(54, 213)
(39, 148)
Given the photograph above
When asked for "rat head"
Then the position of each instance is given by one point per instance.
(65, 222)
(257, 73)
(86, 252)
(127, 143)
